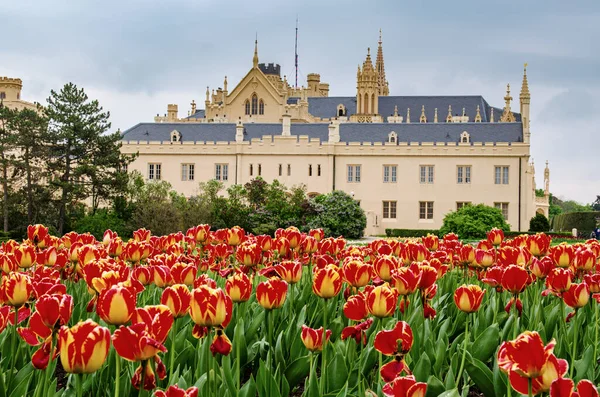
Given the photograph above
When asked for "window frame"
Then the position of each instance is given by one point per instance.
(389, 208)
(156, 171)
(501, 174)
(503, 206)
(426, 210)
(353, 174)
(463, 174)
(392, 173)
(460, 204)
(187, 171)
(427, 174)
(222, 172)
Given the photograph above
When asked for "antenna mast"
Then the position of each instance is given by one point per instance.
(296, 53)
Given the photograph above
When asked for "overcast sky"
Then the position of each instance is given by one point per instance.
(137, 56)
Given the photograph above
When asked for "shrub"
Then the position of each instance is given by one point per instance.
(339, 215)
(410, 232)
(473, 221)
(539, 223)
(584, 222)
(100, 221)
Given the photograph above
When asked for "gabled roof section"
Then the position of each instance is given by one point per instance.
(254, 73)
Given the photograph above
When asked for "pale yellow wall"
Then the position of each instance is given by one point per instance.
(371, 191)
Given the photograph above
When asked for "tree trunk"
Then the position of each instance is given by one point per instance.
(5, 195)
(65, 191)
(29, 188)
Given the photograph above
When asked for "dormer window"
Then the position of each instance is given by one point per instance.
(465, 137)
(175, 136)
(341, 110)
(261, 107)
(392, 137)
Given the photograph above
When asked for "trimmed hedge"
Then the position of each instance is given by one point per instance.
(584, 222)
(410, 232)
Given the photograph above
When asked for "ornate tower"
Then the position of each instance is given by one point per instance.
(382, 84)
(10, 89)
(367, 90)
(255, 58)
(547, 180)
(507, 114)
(525, 98)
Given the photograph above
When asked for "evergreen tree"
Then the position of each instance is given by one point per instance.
(84, 161)
(31, 135)
(7, 157)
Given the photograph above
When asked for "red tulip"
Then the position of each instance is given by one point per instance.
(562, 254)
(234, 236)
(271, 294)
(176, 391)
(593, 282)
(485, 258)
(248, 254)
(8, 263)
(405, 280)
(238, 287)
(281, 247)
(357, 331)
(384, 265)
(83, 347)
(290, 271)
(116, 305)
(264, 242)
(157, 318)
(418, 252)
(563, 387)
(397, 341)
(182, 273)
(541, 267)
(317, 234)
(309, 245)
(16, 289)
(142, 235)
(54, 310)
(495, 236)
(558, 281)
(515, 279)
(468, 298)
(585, 260)
(25, 256)
(466, 255)
(428, 276)
(356, 273)
(161, 276)
(538, 244)
(527, 358)
(177, 298)
(209, 307)
(355, 307)
(381, 301)
(200, 233)
(577, 296)
(431, 242)
(327, 282)
(313, 338)
(405, 387)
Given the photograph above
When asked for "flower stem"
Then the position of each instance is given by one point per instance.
(595, 337)
(574, 355)
(172, 353)
(208, 364)
(324, 354)
(529, 388)
(117, 373)
(80, 384)
(464, 355)
(48, 368)
(14, 344)
(379, 380)
(237, 366)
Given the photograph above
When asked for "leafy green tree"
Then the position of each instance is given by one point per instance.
(156, 210)
(31, 129)
(539, 223)
(596, 204)
(7, 156)
(339, 215)
(86, 161)
(473, 221)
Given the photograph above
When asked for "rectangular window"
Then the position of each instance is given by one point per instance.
(389, 210)
(389, 173)
(425, 209)
(318, 169)
(289, 170)
(222, 172)
(187, 172)
(501, 175)
(251, 170)
(460, 204)
(310, 170)
(259, 170)
(154, 171)
(280, 169)
(354, 173)
(463, 174)
(426, 174)
(504, 208)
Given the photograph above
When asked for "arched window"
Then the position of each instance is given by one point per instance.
(366, 104)
(175, 136)
(247, 107)
(341, 110)
(261, 107)
(392, 137)
(464, 137)
(254, 104)
(372, 104)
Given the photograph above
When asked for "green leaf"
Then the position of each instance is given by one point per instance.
(486, 344)
(482, 376)
(22, 380)
(499, 381)
(228, 377)
(584, 364)
(434, 387)
(368, 360)
(450, 393)
(279, 357)
(337, 373)
(249, 388)
(423, 368)
(313, 386)
(297, 371)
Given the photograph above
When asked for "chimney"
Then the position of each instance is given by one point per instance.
(334, 133)
(239, 132)
(172, 112)
(286, 124)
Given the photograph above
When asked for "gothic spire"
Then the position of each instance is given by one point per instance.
(524, 86)
(380, 67)
(507, 114)
(255, 58)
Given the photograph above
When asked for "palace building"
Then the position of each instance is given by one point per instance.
(409, 160)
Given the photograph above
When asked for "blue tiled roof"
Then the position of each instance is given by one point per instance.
(198, 115)
(349, 132)
(327, 107)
